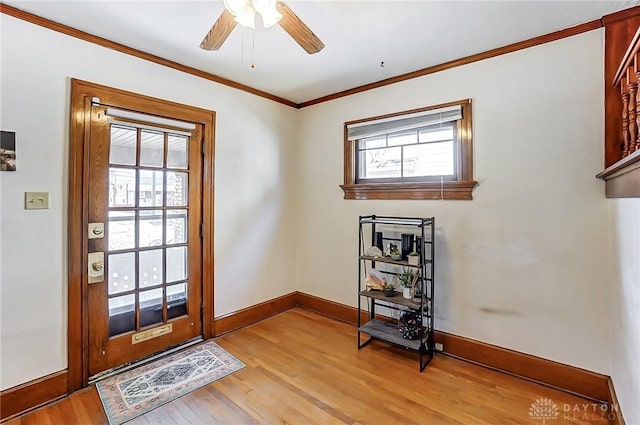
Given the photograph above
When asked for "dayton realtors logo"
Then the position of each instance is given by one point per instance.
(543, 409)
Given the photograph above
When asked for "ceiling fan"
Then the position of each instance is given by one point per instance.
(271, 11)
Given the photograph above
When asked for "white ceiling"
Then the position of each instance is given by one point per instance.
(406, 35)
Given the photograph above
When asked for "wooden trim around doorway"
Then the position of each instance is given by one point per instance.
(81, 94)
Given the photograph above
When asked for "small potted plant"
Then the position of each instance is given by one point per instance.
(389, 290)
(413, 258)
(407, 279)
(394, 252)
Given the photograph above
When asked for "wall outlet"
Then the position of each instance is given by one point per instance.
(439, 346)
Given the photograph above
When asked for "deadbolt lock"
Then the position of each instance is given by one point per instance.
(96, 230)
(98, 266)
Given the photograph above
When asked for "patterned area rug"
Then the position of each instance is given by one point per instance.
(137, 391)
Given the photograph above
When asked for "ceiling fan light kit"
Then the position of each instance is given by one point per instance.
(245, 17)
(272, 12)
(244, 12)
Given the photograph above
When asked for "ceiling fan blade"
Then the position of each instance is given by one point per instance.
(219, 31)
(298, 30)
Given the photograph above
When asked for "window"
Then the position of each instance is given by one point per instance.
(418, 154)
(413, 155)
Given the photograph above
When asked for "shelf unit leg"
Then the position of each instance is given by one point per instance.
(362, 344)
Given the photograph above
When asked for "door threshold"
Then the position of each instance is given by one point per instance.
(132, 365)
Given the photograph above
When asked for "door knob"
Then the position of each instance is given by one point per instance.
(95, 266)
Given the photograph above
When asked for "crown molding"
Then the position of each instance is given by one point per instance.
(568, 32)
(535, 41)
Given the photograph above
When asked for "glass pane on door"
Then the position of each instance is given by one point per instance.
(177, 230)
(150, 263)
(177, 189)
(151, 188)
(151, 149)
(123, 146)
(178, 259)
(122, 187)
(150, 306)
(122, 314)
(148, 228)
(176, 300)
(122, 230)
(122, 273)
(177, 153)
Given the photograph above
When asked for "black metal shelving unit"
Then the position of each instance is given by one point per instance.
(423, 230)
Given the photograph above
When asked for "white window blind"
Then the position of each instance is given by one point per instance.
(403, 122)
(153, 119)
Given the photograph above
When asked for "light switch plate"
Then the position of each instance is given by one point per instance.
(36, 200)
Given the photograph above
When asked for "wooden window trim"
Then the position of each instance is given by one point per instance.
(460, 189)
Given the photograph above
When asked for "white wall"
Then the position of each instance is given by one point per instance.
(254, 190)
(625, 305)
(531, 248)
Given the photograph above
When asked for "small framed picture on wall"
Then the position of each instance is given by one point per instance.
(8, 151)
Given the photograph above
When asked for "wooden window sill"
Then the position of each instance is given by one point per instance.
(622, 179)
(460, 190)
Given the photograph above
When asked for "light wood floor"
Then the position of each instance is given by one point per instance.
(303, 368)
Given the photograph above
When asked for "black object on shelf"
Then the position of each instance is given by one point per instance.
(406, 244)
(377, 240)
(415, 330)
(419, 245)
(409, 325)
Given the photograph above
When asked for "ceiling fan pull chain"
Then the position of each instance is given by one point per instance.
(253, 49)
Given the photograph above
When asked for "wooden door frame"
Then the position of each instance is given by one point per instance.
(82, 93)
